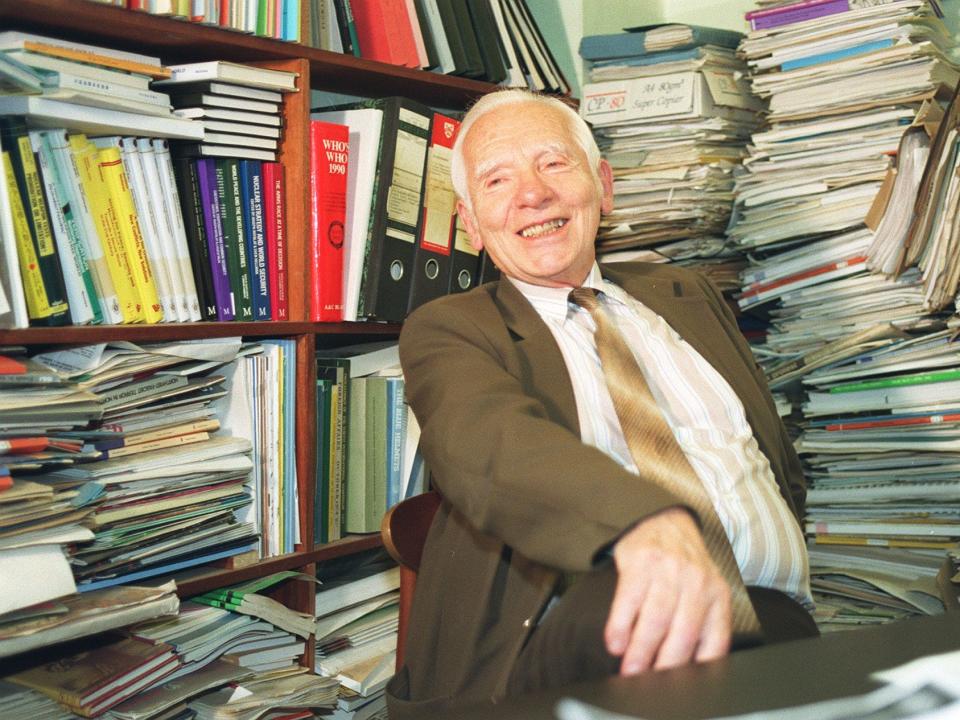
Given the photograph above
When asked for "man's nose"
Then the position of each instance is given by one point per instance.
(533, 191)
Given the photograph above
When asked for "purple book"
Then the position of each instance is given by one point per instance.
(207, 180)
(798, 12)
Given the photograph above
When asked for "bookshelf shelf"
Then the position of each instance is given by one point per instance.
(72, 334)
(190, 584)
(180, 41)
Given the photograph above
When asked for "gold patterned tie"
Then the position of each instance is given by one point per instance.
(655, 450)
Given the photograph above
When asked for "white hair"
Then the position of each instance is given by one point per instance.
(514, 96)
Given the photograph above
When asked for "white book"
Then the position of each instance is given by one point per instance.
(239, 128)
(96, 261)
(168, 183)
(73, 261)
(15, 316)
(39, 61)
(14, 39)
(162, 211)
(46, 112)
(231, 73)
(237, 116)
(218, 138)
(337, 597)
(365, 126)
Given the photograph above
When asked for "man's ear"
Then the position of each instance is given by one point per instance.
(606, 185)
(469, 224)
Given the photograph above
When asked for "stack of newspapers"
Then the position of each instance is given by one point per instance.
(671, 113)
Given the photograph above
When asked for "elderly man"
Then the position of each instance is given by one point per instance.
(570, 544)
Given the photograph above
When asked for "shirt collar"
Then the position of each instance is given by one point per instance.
(551, 302)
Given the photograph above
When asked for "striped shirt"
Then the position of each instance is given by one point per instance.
(706, 417)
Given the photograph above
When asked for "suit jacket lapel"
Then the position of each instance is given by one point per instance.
(541, 367)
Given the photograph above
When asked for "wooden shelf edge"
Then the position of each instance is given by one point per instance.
(74, 334)
(204, 580)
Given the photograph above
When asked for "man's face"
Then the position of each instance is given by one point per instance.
(536, 202)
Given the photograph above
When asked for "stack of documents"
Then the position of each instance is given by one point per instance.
(671, 113)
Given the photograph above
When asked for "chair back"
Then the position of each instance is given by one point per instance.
(404, 532)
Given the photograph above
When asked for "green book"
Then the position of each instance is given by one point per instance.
(900, 381)
(231, 216)
(60, 202)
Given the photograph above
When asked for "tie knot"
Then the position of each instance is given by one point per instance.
(584, 297)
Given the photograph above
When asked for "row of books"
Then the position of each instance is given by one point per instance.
(493, 40)
(672, 114)
(395, 242)
(100, 237)
(367, 437)
(831, 208)
(279, 19)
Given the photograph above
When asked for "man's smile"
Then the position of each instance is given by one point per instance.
(543, 228)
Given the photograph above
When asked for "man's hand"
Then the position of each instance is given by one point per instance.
(671, 604)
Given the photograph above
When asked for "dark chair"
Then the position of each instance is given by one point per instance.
(404, 531)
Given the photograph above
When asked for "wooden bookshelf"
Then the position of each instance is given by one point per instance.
(177, 41)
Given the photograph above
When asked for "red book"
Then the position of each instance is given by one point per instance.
(329, 154)
(273, 199)
(385, 32)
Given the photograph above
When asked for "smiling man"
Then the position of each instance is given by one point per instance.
(559, 552)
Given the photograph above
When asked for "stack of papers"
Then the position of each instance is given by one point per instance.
(673, 124)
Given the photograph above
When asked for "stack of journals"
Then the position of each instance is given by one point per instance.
(814, 172)
(356, 629)
(493, 40)
(671, 115)
(91, 676)
(160, 491)
(90, 87)
(79, 615)
(289, 694)
(881, 441)
(856, 585)
(203, 635)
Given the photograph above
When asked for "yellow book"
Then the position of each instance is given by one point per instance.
(110, 164)
(34, 290)
(108, 228)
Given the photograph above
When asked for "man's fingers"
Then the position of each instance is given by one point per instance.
(622, 616)
(653, 623)
(717, 629)
(686, 630)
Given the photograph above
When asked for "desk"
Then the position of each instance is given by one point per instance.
(793, 673)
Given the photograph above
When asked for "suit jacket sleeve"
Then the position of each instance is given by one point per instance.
(497, 453)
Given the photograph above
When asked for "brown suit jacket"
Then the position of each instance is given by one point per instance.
(525, 499)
